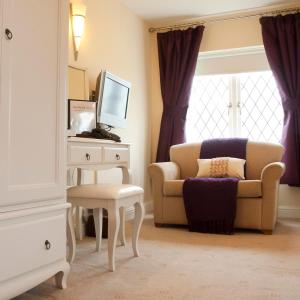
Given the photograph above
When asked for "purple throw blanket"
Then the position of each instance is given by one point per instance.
(210, 203)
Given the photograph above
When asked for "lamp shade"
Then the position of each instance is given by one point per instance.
(78, 13)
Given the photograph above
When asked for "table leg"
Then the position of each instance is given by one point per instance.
(113, 228)
(98, 219)
(71, 235)
(79, 210)
(138, 220)
(126, 179)
(122, 238)
(79, 227)
(126, 175)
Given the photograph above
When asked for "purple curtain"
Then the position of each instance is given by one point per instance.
(178, 51)
(281, 37)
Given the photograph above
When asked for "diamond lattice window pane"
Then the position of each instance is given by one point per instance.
(207, 116)
(261, 109)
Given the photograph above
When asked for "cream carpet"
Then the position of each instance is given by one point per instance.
(177, 264)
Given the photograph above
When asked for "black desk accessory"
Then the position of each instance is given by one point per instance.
(100, 133)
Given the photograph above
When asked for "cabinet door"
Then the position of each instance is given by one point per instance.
(32, 101)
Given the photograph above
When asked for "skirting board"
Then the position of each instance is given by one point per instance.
(288, 212)
(283, 211)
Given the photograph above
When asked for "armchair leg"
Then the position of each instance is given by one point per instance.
(267, 231)
(159, 225)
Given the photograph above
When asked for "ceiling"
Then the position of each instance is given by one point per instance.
(159, 10)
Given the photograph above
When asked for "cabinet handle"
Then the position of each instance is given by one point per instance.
(8, 34)
(117, 156)
(88, 157)
(47, 245)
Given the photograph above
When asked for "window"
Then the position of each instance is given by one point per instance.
(239, 105)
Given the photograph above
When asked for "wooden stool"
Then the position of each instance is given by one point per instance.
(115, 198)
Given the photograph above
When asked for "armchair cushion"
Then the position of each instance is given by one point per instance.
(246, 188)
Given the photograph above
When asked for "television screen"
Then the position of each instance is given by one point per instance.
(112, 94)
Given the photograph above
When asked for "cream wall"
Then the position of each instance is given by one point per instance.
(220, 35)
(115, 39)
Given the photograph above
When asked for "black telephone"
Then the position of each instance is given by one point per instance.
(100, 133)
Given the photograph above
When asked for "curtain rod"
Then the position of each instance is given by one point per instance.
(197, 23)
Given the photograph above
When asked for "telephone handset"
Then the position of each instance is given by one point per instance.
(100, 133)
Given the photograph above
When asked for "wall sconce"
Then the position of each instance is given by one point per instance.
(78, 12)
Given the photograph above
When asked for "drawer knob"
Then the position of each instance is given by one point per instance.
(88, 157)
(47, 245)
(8, 34)
(117, 156)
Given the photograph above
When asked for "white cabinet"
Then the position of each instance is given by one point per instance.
(33, 72)
(40, 238)
(33, 64)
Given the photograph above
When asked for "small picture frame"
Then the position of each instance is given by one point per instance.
(81, 115)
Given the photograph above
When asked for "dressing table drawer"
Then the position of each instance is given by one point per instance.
(84, 155)
(115, 155)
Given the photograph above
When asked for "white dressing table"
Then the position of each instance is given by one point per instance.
(95, 155)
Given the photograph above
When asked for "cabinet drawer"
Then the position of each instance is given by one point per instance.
(84, 154)
(113, 155)
(31, 243)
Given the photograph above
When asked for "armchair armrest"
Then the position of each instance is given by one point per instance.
(165, 170)
(159, 173)
(272, 171)
(270, 176)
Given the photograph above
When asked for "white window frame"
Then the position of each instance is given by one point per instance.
(233, 61)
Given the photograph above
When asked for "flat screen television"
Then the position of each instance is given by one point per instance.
(112, 94)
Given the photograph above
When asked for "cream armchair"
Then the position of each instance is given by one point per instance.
(257, 195)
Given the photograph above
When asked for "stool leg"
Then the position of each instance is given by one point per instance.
(113, 228)
(98, 218)
(71, 235)
(122, 226)
(138, 220)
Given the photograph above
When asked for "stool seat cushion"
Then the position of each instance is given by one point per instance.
(104, 191)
